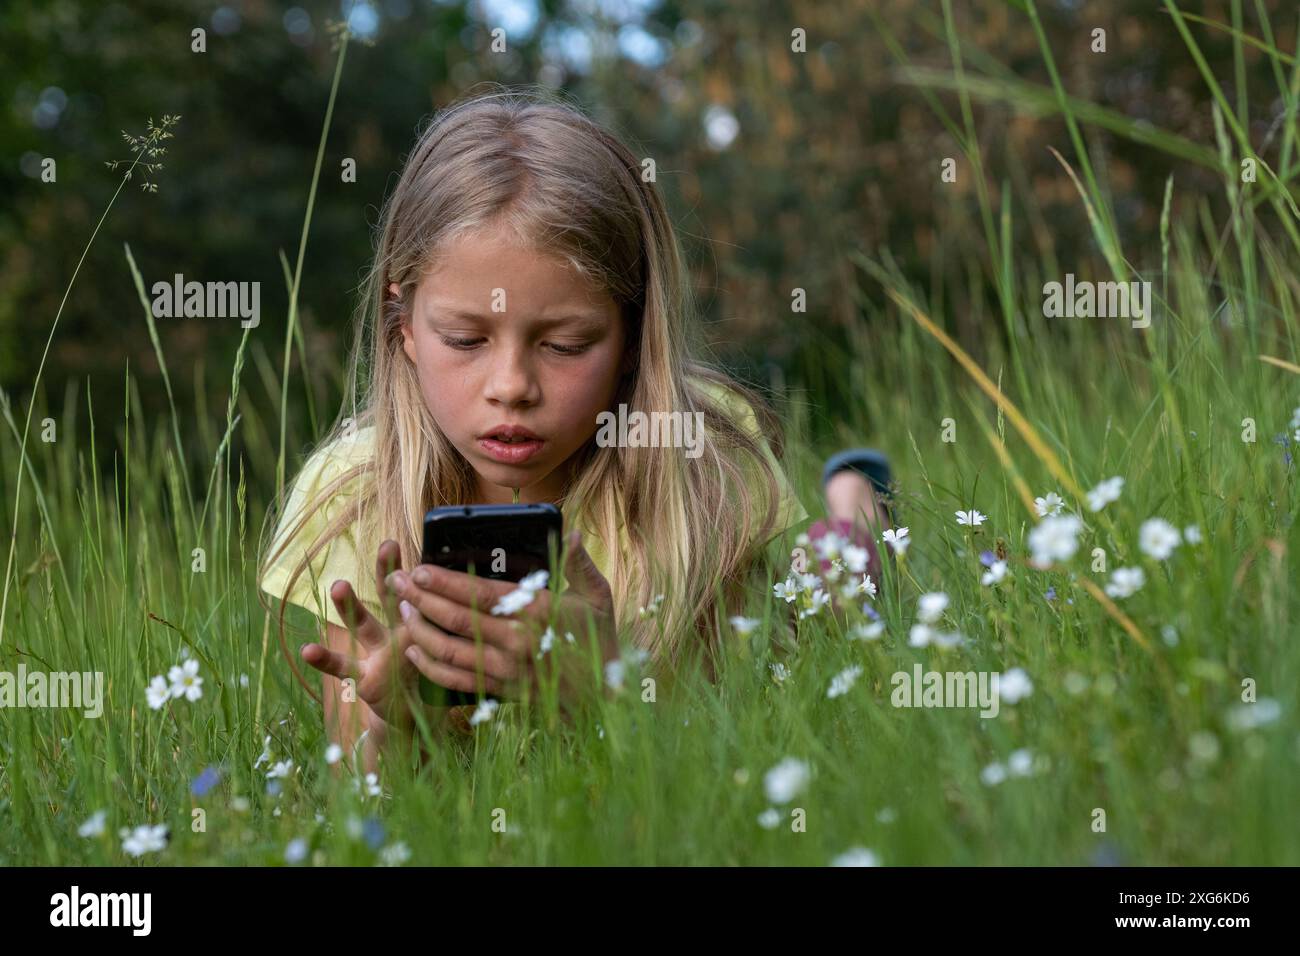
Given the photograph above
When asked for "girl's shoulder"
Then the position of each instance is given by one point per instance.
(353, 447)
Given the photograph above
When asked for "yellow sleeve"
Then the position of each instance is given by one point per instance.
(337, 560)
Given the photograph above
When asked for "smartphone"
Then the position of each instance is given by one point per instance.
(503, 542)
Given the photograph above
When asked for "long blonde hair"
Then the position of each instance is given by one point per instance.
(538, 164)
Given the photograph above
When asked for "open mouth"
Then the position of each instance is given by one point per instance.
(510, 444)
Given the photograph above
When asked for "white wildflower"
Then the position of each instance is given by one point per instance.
(1106, 492)
(844, 681)
(1125, 582)
(1050, 505)
(994, 575)
(1055, 539)
(1157, 538)
(786, 780)
(930, 606)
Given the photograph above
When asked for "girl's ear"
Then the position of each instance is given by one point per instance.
(408, 335)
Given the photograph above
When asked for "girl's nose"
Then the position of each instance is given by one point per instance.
(512, 381)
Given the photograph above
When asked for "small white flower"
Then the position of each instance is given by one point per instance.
(652, 608)
(856, 558)
(947, 639)
(1106, 492)
(930, 606)
(818, 601)
(828, 546)
(333, 754)
(897, 540)
(836, 571)
(1157, 538)
(994, 575)
(844, 681)
(1015, 685)
(744, 625)
(535, 581)
(1049, 505)
(568, 636)
(971, 517)
(769, 819)
(1192, 534)
(808, 583)
(1249, 716)
(514, 601)
(1295, 418)
(158, 692)
(1169, 634)
(94, 826)
(1020, 763)
(282, 769)
(185, 680)
(243, 680)
(801, 539)
(779, 671)
(786, 590)
(786, 780)
(144, 839)
(266, 752)
(920, 635)
(371, 785)
(856, 856)
(867, 586)
(1055, 539)
(867, 631)
(483, 712)
(296, 851)
(993, 774)
(1125, 581)
(395, 854)
(614, 671)
(547, 642)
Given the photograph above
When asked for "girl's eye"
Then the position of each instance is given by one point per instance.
(462, 344)
(569, 349)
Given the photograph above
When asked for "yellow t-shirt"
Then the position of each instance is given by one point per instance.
(340, 558)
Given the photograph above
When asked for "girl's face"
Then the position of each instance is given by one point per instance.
(504, 337)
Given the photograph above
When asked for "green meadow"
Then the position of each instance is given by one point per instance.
(1153, 724)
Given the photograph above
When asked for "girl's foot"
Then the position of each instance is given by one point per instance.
(855, 483)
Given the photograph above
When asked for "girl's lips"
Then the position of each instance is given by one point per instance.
(511, 453)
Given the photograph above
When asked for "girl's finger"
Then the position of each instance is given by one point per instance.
(361, 623)
(386, 561)
(452, 649)
(331, 662)
(452, 678)
(461, 619)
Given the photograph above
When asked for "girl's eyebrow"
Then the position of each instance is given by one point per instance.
(591, 318)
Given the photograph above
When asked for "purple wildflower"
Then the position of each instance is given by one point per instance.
(372, 831)
(1050, 594)
(205, 781)
(988, 558)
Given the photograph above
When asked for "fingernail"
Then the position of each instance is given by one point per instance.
(397, 581)
(422, 577)
(406, 610)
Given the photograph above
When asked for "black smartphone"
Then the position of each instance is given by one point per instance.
(503, 542)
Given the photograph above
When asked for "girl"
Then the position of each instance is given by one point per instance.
(526, 280)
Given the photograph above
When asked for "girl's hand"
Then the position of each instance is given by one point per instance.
(385, 678)
(445, 609)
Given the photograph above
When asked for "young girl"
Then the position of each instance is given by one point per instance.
(527, 279)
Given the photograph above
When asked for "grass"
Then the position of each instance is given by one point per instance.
(1135, 703)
